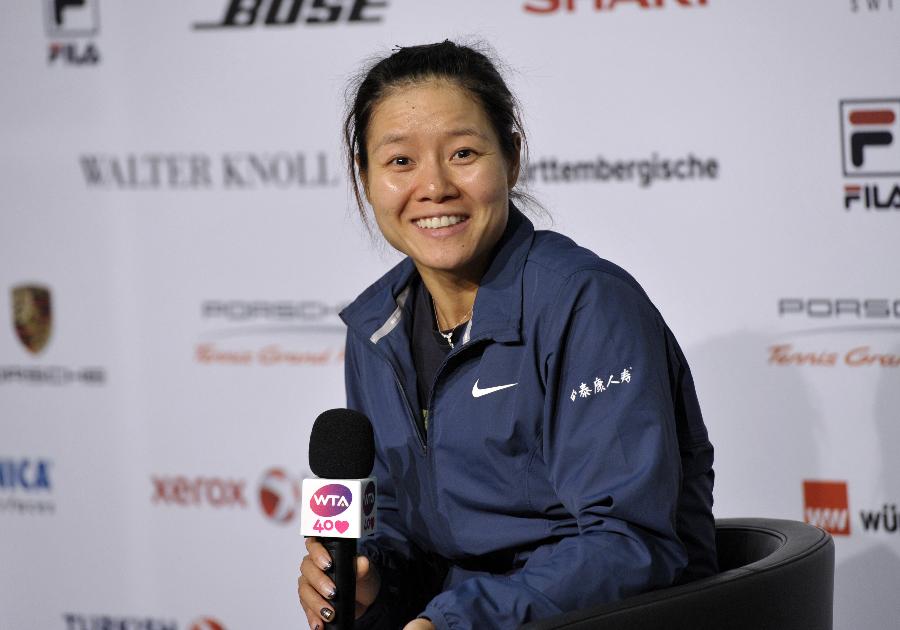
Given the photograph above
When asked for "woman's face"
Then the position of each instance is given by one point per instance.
(437, 178)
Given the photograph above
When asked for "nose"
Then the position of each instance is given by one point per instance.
(436, 182)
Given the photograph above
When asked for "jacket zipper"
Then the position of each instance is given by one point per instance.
(409, 412)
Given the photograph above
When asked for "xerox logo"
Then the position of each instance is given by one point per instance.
(870, 143)
(279, 495)
(249, 13)
(570, 6)
(826, 506)
(331, 500)
(186, 491)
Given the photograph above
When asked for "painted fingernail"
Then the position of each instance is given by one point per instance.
(327, 565)
(331, 593)
(327, 614)
(317, 627)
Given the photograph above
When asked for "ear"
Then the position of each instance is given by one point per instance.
(513, 174)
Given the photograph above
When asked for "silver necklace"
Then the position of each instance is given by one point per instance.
(449, 336)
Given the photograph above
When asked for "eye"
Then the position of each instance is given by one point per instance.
(466, 155)
(401, 160)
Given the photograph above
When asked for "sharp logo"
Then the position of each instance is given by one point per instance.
(571, 6)
(826, 506)
(275, 13)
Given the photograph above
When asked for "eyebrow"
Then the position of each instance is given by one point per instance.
(396, 138)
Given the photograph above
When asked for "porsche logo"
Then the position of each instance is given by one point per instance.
(32, 316)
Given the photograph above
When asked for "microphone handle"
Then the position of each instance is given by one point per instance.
(343, 574)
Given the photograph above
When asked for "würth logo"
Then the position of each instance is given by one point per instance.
(870, 129)
(826, 506)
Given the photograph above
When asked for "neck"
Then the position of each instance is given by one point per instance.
(453, 295)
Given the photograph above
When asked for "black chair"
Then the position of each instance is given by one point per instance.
(774, 574)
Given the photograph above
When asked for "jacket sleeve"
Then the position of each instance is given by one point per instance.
(609, 445)
(409, 577)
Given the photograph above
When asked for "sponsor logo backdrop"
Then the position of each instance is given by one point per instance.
(177, 240)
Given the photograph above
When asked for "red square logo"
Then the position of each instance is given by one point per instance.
(826, 506)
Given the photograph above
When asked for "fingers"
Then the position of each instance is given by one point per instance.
(314, 588)
(318, 609)
(368, 582)
(318, 553)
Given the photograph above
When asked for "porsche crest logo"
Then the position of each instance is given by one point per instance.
(32, 316)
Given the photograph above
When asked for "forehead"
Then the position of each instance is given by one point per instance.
(433, 107)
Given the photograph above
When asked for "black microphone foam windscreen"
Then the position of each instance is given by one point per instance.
(341, 445)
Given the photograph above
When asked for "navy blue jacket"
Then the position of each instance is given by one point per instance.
(566, 461)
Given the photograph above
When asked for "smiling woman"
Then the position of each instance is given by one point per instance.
(540, 446)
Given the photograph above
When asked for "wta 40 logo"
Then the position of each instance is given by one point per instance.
(331, 500)
(870, 142)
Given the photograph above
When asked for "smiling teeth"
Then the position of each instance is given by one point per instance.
(438, 222)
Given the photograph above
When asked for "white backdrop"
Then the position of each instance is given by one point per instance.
(175, 186)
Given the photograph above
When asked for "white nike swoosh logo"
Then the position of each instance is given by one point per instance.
(478, 393)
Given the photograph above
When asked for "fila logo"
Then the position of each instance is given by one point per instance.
(477, 392)
(870, 128)
(826, 506)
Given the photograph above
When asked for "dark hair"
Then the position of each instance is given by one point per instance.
(463, 65)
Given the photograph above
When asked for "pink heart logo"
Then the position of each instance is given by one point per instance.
(341, 526)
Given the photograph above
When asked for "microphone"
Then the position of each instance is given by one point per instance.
(339, 506)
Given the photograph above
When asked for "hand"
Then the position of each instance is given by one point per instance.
(314, 587)
(419, 624)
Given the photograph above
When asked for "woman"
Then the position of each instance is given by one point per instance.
(539, 443)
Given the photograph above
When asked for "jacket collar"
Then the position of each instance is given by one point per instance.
(497, 314)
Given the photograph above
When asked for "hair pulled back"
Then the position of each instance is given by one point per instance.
(468, 68)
